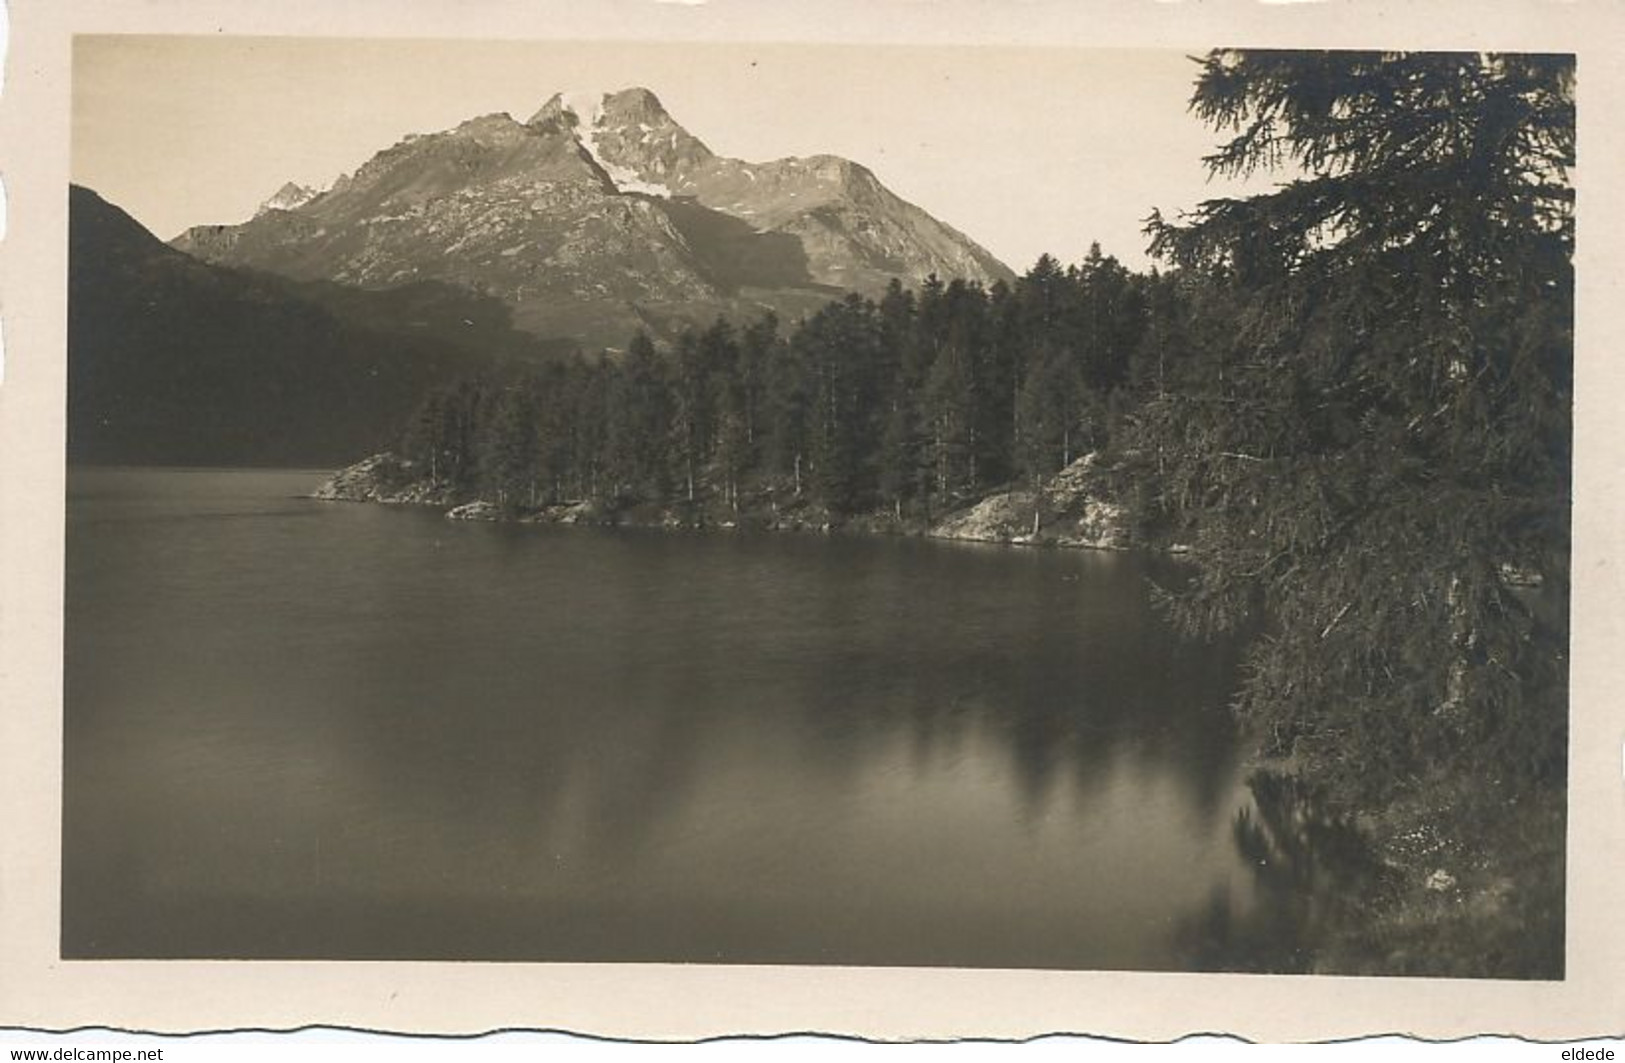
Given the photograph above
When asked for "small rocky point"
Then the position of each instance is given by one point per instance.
(384, 478)
(1069, 514)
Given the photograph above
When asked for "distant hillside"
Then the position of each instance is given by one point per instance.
(175, 361)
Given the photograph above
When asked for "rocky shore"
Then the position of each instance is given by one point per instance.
(385, 479)
(1069, 509)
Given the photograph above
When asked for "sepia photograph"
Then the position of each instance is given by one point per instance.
(1052, 524)
(811, 504)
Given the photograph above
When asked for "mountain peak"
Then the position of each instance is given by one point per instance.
(290, 196)
(635, 104)
(496, 120)
(629, 136)
(585, 111)
(567, 109)
(494, 130)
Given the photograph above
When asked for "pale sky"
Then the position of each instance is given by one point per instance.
(1025, 150)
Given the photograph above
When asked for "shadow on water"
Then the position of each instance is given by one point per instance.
(374, 733)
(1307, 868)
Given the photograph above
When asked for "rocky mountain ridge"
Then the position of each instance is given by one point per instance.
(290, 196)
(597, 216)
(857, 233)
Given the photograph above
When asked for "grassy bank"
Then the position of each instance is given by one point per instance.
(1470, 891)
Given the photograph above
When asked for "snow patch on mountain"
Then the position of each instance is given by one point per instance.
(626, 180)
(290, 196)
(588, 110)
(587, 107)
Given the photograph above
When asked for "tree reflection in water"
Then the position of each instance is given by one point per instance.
(1309, 871)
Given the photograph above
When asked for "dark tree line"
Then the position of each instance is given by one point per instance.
(908, 404)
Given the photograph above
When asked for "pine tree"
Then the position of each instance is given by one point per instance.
(788, 398)
(427, 438)
(999, 372)
(591, 385)
(903, 467)
(954, 327)
(507, 448)
(731, 447)
(838, 346)
(691, 411)
(1377, 457)
(553, 429)
(640, 423)
(758, 347)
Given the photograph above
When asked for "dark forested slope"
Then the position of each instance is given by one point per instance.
(175, 361)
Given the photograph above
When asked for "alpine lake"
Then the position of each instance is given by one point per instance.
(298, 729)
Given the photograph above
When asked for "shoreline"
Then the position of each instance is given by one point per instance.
(1073, 516)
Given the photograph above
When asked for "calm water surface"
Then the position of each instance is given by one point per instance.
(305, 729)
